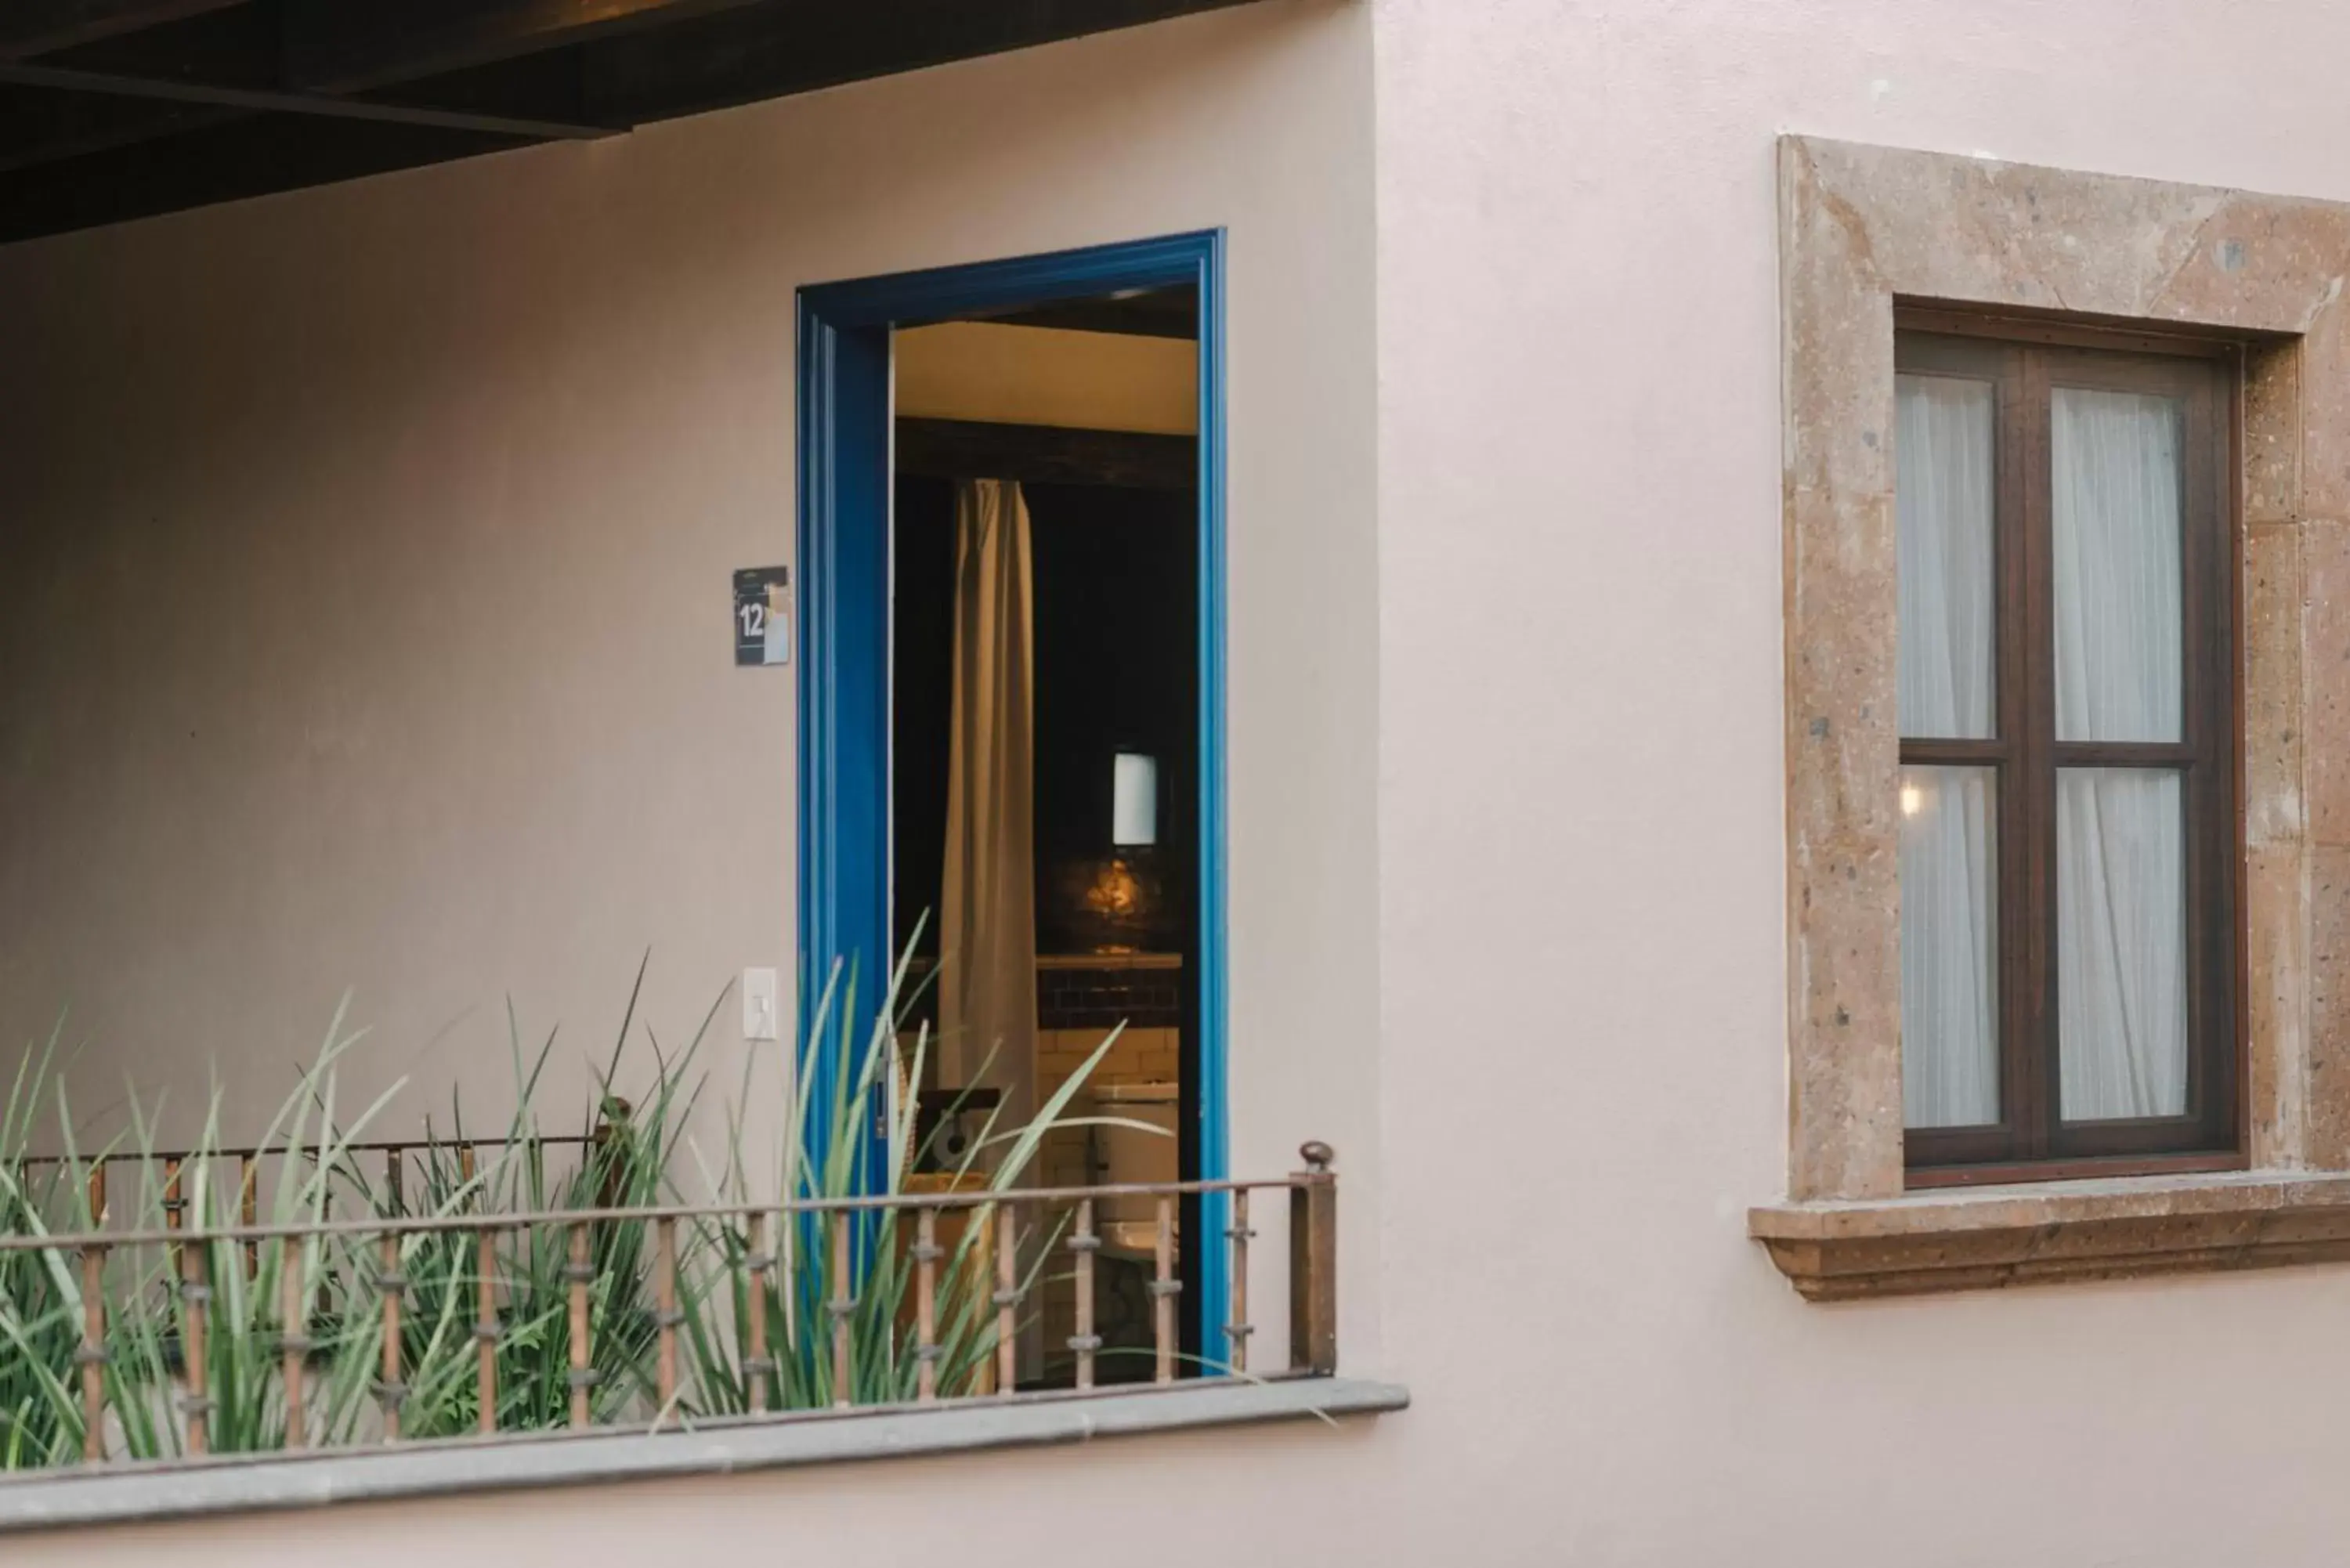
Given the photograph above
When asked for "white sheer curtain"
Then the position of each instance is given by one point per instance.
(1949, 999)
(1943, 444)
(987, 909)
(2115, 515)
(1943, 501)
(2121, 928)
(2121, 944)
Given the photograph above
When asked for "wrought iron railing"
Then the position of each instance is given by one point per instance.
(205, 1334)
(393, 1154)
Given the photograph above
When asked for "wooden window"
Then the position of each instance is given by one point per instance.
(2068, 708)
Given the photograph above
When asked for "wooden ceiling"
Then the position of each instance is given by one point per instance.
(112, 110)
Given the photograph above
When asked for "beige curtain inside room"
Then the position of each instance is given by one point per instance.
(987, 921)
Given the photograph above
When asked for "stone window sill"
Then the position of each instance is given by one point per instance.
(1962, 1238)
(143, 1493)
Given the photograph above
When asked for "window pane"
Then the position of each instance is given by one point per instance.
(1942, 494)
(1950, 993)
(2114, 506)
(2121, 942)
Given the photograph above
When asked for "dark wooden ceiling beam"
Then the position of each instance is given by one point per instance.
(318, 104)
(347, 45)
(31, 27)
(38, 128)
(1155, 313)
(227, 162)
(1042, 455)
(234, 48)
(166, 80)
(480, 74)
(231, 48)
(786, 46)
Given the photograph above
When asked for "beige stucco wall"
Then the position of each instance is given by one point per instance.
(368, 553)
(1581, 610)
(1537, 1000)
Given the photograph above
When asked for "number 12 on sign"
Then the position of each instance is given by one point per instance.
(763, 615)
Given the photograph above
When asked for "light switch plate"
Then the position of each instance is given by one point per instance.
(760, 1019)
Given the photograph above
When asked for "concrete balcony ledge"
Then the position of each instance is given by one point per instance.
(125, 1494)
(1961, 1238)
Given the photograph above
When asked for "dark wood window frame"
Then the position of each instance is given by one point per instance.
(2024, 362)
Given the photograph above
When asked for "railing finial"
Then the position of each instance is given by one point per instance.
(1314, 1266)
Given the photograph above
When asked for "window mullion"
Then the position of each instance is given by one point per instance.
(2209, 689)
(2030, 647)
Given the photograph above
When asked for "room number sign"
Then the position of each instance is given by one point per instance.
(763, 615)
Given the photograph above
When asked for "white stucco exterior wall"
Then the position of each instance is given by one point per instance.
(1581, 630)
(1573, 1085)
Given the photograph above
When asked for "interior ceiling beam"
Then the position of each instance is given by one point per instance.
(347, 45)
(164, 105)
(251, 156)
(38, 128)
(30, 27)
(60, 79)
(236, 47)
(785, 46)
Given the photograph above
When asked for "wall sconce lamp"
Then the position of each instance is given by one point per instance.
(1134, 801)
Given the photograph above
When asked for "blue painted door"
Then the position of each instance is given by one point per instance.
(844, 424)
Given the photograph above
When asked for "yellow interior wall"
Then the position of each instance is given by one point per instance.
(1047, 376)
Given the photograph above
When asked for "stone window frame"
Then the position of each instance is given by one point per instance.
(1862, 229)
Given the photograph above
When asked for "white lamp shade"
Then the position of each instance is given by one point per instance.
(1134, 801)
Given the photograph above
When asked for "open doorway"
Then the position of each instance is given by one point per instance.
(1045, 757)
(1011, 717)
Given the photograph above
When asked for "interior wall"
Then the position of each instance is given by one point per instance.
(1047, 375)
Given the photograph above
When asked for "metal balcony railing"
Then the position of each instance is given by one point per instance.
(201, 1331)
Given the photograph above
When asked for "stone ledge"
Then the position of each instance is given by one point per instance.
(1964, 1238)
(129, 1494)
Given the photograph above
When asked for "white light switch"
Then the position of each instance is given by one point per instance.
(759, 1005)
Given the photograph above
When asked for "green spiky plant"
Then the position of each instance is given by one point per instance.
(628, 1159)
(630, 1144)
(40, 1299)
(149, 1292)
(241, 1287)
(828, 1146)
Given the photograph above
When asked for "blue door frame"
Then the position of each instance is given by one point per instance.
(845, 419)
